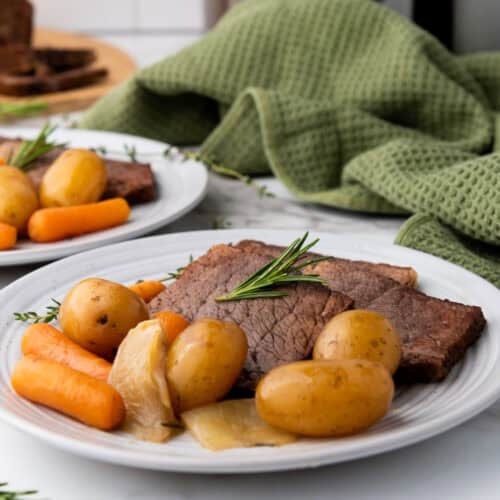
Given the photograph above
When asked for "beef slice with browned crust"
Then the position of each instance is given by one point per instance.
(133, 181)
(279, 330)
(435, 333)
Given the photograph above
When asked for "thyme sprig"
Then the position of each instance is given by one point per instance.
(174, 153)
(50, 315)
(281, 271)
(52, 311)
(174, 275)
(131, 152)
(14, 495)
(30, 150)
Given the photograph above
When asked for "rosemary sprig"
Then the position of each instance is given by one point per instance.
(281, 271)
(32, 317)
(32, 149)
(10, 110)
(14, 495)
(173, 153)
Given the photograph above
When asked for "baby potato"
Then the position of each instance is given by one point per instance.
(18, 198)
(360, 334)
(325, 398)
(97, 314)
(204, 362)
(77, 177)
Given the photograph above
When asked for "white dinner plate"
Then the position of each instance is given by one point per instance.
(418, 412)
(181, 185)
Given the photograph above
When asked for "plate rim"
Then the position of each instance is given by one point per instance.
(398, 438)
(18, 257)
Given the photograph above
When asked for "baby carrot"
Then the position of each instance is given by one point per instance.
(148, 290)
(49, 343)
(8, 236)
(54, 224)
(172, 324)
(68, 391)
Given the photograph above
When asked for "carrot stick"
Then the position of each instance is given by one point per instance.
(172, 324)
(55, 224)
(148, 290)
(8, 236)
(49, 343)
(68, 391)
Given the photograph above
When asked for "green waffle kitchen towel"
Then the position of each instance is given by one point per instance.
(349, 104)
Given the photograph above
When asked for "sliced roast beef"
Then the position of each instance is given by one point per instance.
(131, 180)
(279, 330)
(435, 333)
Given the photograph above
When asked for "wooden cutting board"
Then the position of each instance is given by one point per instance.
(119, 64)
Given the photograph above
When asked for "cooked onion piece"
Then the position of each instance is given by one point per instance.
(138, 374)
(232, 424)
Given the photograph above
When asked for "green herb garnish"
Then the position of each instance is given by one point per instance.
(174, 275)
(31, 150)
(14, 495)
(221, 223)
(32, 317)
(174, 153)
(131, 152)
(15, 110)
(284, 270)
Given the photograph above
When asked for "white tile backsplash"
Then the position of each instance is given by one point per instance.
(86, 15)
(171, 14)
(127, 15)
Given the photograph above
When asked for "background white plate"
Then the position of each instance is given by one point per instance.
(180, 187)
(418, 412)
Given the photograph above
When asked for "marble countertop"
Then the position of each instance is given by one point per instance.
(460, 464)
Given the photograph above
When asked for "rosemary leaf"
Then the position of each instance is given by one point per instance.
(32, 149)
(14, 495)
(16, 110)
(281, 271)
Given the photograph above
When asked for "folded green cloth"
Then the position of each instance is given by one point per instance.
(349, 104)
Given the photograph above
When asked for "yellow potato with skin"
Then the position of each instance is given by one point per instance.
(325, 398)
(360, 334)
(97, 314)
(18, 197)
(77, 177)
(204, 362)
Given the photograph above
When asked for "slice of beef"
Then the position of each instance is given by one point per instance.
(279, 330)
(435, 333)
(16, 22)
(131, 180)
(403, 275)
